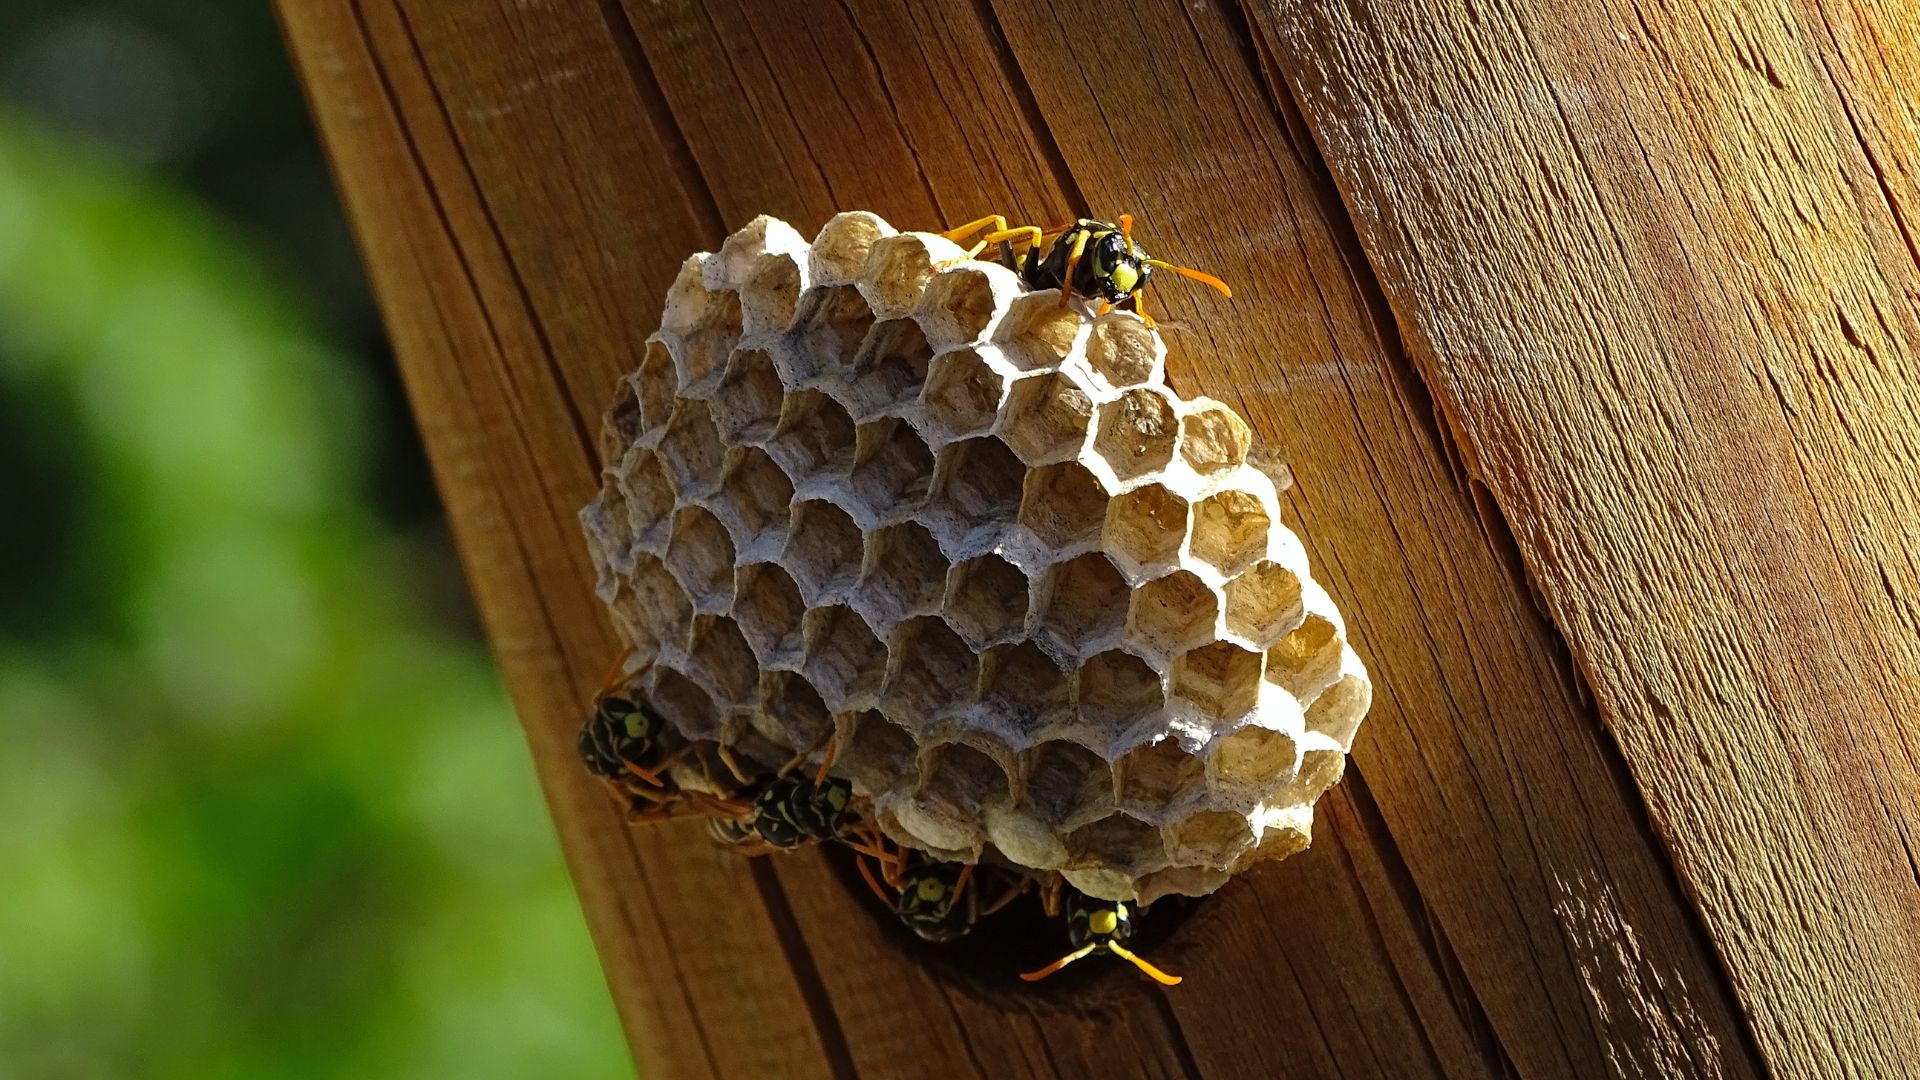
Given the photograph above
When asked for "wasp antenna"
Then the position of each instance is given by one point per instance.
(1154, 973)
(615, 674)
(1126, 231)
(826, 761)
(1036, 976)
(1197, 275)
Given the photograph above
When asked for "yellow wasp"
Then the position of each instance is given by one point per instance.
(1090, 258)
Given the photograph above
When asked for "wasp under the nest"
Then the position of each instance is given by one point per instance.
(1090, 258)
(631, 748)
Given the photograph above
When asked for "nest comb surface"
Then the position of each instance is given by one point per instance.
(1045, 607)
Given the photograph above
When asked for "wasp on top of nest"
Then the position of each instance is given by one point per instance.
(1090, 258)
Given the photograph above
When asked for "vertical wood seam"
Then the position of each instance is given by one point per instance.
(690, 178)
(806, 971)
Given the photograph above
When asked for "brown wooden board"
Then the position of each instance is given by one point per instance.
(1588, 335)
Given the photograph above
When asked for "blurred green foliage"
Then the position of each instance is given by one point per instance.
(264, 810)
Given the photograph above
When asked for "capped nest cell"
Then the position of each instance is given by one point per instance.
(1044, 606)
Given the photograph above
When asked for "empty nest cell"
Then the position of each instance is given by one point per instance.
(796, 709)
(957, 780)
(1047, 418)
(1307, 660)
(723, 661)
(661, 601)
(898, 269)
(1036, 332)
(1221, 679)
(888, 371)
(1117, 842)
(650, 499)
(986, 600)
(827, 331)
(823, 551)
(1337, 711)
(1064, 505)
(844, 661)
(1212, 838)
(958, 306)
(1213, 438)
(1083, 606)
(746, 404)
(814, 438)
(1064, 780)
(891, 470)
(753, 501)
(1138, 432)
(1171, 614)
(1123, 351)
(1118, 692)
(1159, 776)
(876, 752)
(928, 669)
(1024, 690)
(904, 574)
(700, 555)
(842, 247)
(1145, 528)
(1230, 531)
(771, 293)
(768, 607)
(1263, 603)
(1251, 757)
(977, 488)
(962, 394)
(682, 703)
(702, 353)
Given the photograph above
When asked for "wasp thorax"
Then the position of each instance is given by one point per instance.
(864, 495)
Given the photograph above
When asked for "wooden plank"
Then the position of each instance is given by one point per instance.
(505, 448)
(1657, 265)
(1497, 786)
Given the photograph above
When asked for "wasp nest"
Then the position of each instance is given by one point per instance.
(1043, 606)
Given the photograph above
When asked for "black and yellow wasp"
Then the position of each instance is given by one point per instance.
(1091, 258)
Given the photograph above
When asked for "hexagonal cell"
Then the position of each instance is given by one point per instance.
(754, 495)
(657, 384)
(1263, 603)
(700, 355)
(1082, 606)
(977, 485)
(1064, 505)
(928, 670)
(792, 703)
(1253, 757)
(1123, 350)
(746, 404)
(662, 602)
(1222, 679)
(1145, 528)
(814, 438)
(898, 268)
(1213, 438)
(843, 244)
(877, 754)
(827, 331)
(1230, 531)
(845, 662)
(962, 395)
(1307, 660)
(606, 519)
(682, 703)
(723, 662)
(1211, 837)
(1180, 881)
(1125, 843)
(692, 449)
(1118, 692)
(687, 298)
(957, 307)
(1281, 839)
(823, 552)
(1172, 614)
(1337, 712)
(904, 575)
(1137, 433)
(623, 424)
(1024, 690)
(743, 251)
(768, 609)
(771, 291)
(888, 371)
(1047, 418)
(700, 554)
(1036, 332)
(1065, 781)
(649, 496)
(892, 469)
(986, 600)
(957, 780)
(1157, 776)
(1319, 770)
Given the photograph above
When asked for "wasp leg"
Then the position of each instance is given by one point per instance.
(867, 875)
(998, 221)
(726, 758)
(652, 775)
(1050, 895)
(1140, 307)
(826, 761)
(1013, 891)
(1073, 260)
(614, 676)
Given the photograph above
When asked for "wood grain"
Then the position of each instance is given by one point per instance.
(1588, 333)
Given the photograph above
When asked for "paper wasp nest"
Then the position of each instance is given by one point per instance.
(1044, 605)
